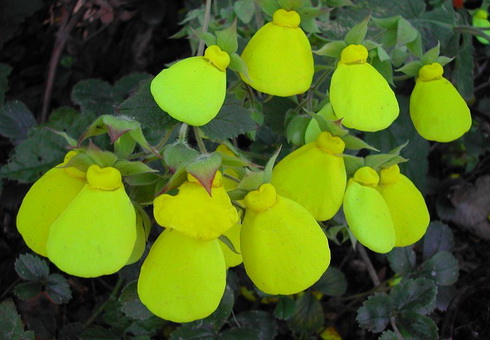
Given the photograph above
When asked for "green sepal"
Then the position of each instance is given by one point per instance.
(82, 161)
(204, 169)
(251, 181)
(71, 141)
(352, 164)
(415, 46)
(179, 177)
(391, 158)
(100, 157)
(228, 243)
(309, 12)
(270, 165)
(443, 60)
(178, 154)
(334, 127)
(128, 168)
(354, 143)
(411, 69)
(357, 33)
(431, 55)
(124, 146)
(227, 39)
(237, 64)
(208, 38)
(296, 129)
(332, 49)
(268, 6)
(290, 5)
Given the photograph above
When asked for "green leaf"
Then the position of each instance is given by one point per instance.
(204, 169)
(58, 288)
(178, 154)
(309, 12)
(411, 69)
(4, 74)
(375, 313)
(31, 267)
(227, 242)
(332, 282)
(387, 23)
(99, 333)
(227, 39)
(417, 295)
(290, 5)
(442, 268)
(438, 237)
(402, 260)
(352, 164)
(268, 6)
(308, 314)
(332, 49)
(357, 33)
(464, 66)
(245, 10)
(415, 46)
(296, 129)
(405, 32)
(269, 166)
(208, 38)
(28, 290)
(15, 121)
(11, 324)
(237, 64)
(388, 335)
(187, 333)
(354, 143)
(128, 168)
(231, 121)
(284, 308)
(431, 55)
(415, 326)
(263, 322)
(131, 305)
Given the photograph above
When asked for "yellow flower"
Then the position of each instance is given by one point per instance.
(232, 259)
(314, 176)
(367, 213)
(194, 213)
(140, 243)
(284, 249)
(313, 129)
(96, 233)
(480, 19)
(359, 94)
(45, 201)
(406, 204)
(182, 279)
(193, 90)
(279, 58)
(438, 111)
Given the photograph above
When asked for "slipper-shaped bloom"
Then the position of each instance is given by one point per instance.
(406, 204)
(193, 89)
(367, 213)
(284, 249)
(480, 19)
(194, 212)
(96, 233)
(182, 279)
(359, 94)
(45, 201)
(438, 111)
(314, 176)
(313, 129)
(278, 57)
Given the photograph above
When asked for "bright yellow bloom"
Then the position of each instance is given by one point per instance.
(232, 259)
(182, 279)
(193, 90)
(406, 204)
(284, 249)
(313, 129)
(367, 213)
(194, 213)
(279, 58)
(480, 19)
(438, 111)
(314, 176)
(96, 233)
(359, 94)
(45, 201)
(140, 243)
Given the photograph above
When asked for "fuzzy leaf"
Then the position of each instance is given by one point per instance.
(15, 121)
(11, 324)
(442, 268)
(417, 295)
(402, 260)
(245, 10)
(131, 305)
(375, 313)
(415, 326)
(58, 288)
(332, 49)
(308, 314)
(332, 282)
(284, 308)
(231, 121)
(31, 267)
(438, 237)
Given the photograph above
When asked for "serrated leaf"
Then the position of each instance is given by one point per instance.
(388, 335)
(445, 295)
(58, 289)
(15, 121)
(332, 282)
(415, 326)
(417, 295)
(245, 10)
(375, 313)
(227, 39)
(357, 33)
(241, 333)
(332, 49)
(262, 321)
(131, 305)
(11, 324)
(442, 268)
(28, 290)
(402, 260)
(4, 74)
(31, 267)
(284, 308)
(231, 121)
(308, 314)
(438, 237)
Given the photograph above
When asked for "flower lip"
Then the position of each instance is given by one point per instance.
(430, 72)
(354, 54)
(108, 179)
(329, 143)
(220, 59)
(366, 176)
(390, 175)
(290, 19)
(261, 199)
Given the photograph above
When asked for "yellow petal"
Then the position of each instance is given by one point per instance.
(191, 91)
(232, 259)
(368, 215)
(140, 243)
(284, 249)
(406, 204)
(313, 129)
(279, 58)
(438, 111)
(361, 96)
(45, 201)
(182, 279)
(96, 233)
(314, 176)
(193, 212)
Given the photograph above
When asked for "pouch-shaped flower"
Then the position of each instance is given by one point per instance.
(406, 204)
(96, 233)
(193, 89)
(314, 176)
(438, 111)
(284, 249)
(193, 212)
(313, 129)
(278, 57)
(480, 19)
(367, 213)
(359, 94)
(182, 279)
(45, 201)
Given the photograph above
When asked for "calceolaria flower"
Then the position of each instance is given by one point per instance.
(279, 57)
(284, 249)
(193, 89)
(480, 19)
(95, 235)
(183, 278)
(45, 201)
(314, 176)
(194, 212)
(359, 94)
(438, 111)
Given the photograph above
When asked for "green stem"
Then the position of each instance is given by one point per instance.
(183, 133)
(207, 15)
(231, 178)
(165, 138)
(100, 309)
(200, 143)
